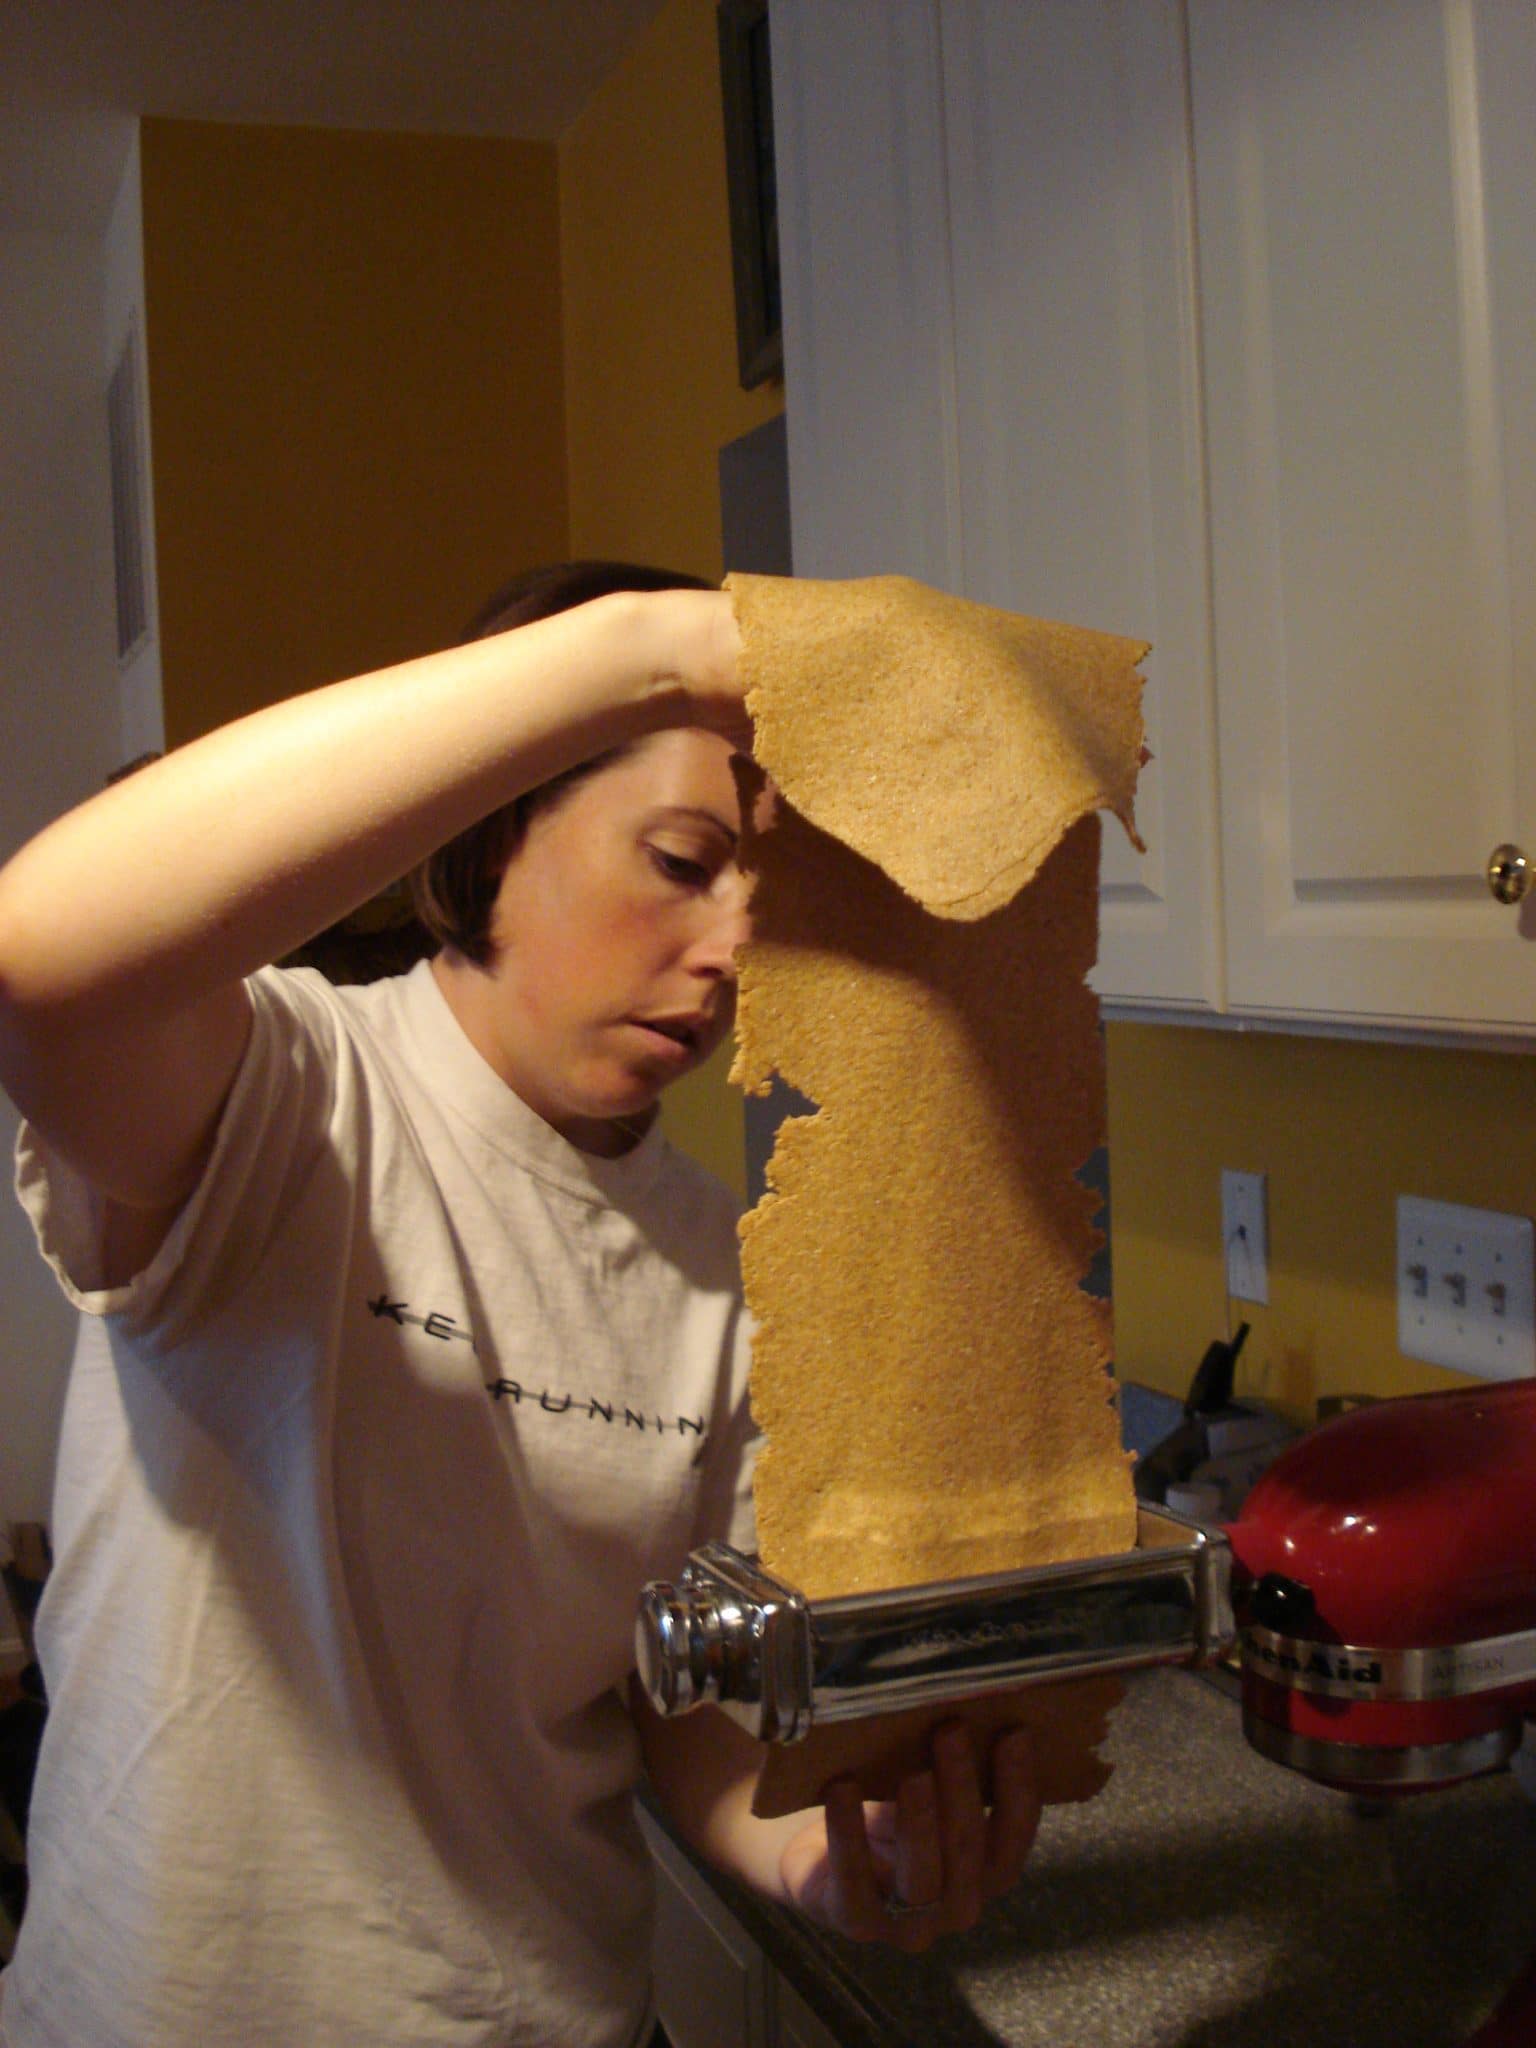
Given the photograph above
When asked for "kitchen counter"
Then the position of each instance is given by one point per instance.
(1207, 1897)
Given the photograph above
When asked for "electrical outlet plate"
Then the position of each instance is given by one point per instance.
(1466, 1288)
(1245, 1234)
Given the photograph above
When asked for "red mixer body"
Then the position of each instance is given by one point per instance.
(1402, 1528)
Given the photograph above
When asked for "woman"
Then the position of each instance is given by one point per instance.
(410, 1352)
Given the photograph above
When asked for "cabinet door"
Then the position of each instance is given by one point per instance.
(858, 137)
(1367, 226)
(1077, 393)
(991, 364)
(713, 1985)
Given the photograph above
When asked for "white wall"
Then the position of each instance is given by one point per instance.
(62, 711)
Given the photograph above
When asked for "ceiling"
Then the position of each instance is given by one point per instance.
(73, 73)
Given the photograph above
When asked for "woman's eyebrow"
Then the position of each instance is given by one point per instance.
(703, 814)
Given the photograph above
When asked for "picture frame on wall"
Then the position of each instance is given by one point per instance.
(747, 104)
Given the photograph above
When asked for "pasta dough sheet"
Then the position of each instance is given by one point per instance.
(950, 743)
(929, 1375)
(1067, 1723)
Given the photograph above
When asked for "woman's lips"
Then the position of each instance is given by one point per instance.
(677, 1035)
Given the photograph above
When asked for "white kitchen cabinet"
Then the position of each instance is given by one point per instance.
(1051, 265)
(1367, 235)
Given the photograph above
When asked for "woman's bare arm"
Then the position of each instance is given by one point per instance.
(127, 926)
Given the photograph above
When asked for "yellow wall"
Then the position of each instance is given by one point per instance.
(651, 379)
(1342, 1129)
(357, 397)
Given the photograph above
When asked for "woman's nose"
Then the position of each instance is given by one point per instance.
(727, 925)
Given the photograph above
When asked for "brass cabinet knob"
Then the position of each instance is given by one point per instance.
(1509, 873)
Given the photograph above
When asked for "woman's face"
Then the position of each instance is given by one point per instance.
(615, 927)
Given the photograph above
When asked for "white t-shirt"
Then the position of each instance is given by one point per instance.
(359, 1481)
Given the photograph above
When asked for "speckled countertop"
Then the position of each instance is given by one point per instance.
(1209, 1899)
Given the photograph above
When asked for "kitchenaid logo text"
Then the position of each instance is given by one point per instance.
(1333, 1667)
(616, 1414)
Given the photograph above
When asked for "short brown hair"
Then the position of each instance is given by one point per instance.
(454, 889)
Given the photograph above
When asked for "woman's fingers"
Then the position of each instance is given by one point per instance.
(854, 1898)
(925, 1864)
(962, 1823)
(873, 1853)
(917, 1850)
(1014, 1820)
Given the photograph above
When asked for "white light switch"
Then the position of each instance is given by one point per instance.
(1466, 1288)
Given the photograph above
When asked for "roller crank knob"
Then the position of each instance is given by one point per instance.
(695, 1643)
(677, 1648)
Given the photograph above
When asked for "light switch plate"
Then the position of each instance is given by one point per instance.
(1245, 1234)
(1466, 1288)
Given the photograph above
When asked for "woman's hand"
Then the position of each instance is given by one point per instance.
(902, 1872)
(695, 648)
(926, 1863)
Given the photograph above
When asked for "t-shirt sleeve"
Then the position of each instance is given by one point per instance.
(274, 1128)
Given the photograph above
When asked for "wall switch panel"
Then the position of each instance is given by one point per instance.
(1245, 1234)
(1466, 1288)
